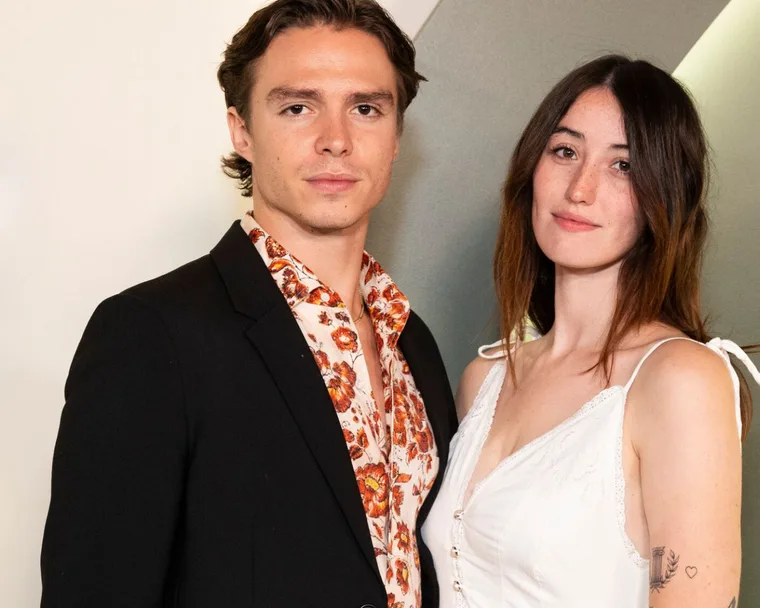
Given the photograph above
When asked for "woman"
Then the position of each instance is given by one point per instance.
(631, 499)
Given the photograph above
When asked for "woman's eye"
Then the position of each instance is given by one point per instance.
(564, 152)
(623, 166)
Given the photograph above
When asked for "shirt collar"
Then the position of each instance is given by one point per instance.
(388, 307)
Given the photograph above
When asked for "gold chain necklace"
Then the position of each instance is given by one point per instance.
(364, 306)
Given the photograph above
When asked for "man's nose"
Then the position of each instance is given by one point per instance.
(335, 137)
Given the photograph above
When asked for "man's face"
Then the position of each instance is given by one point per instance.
(323, 132)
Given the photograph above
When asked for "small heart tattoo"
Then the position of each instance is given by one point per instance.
(691, 571)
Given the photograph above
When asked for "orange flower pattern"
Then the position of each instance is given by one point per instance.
(395, 460)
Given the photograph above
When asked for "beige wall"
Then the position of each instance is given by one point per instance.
(111, 126)
(723, 73)
(111, 129)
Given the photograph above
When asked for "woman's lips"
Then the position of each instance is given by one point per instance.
(574, 223)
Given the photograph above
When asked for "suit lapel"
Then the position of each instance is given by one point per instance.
(277, 337)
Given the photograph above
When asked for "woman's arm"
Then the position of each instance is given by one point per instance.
(684, 431)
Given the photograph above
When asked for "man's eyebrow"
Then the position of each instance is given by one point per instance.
(280, 94)
(379, 97)
(579, 135)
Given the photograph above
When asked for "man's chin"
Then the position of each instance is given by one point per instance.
(329, 215)
(334, 223)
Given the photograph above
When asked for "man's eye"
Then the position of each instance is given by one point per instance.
(366, 110)
(296, 110)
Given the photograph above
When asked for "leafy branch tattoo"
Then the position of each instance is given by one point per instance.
(657, 578)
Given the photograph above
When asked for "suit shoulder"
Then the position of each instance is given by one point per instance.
(181, 287)
(420, 329)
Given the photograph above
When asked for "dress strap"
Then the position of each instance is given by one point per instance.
(726, 347)
(497, 355)
(649, 352)
(530, 334)
(723, 348)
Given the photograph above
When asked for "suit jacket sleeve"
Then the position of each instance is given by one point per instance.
(118, 465)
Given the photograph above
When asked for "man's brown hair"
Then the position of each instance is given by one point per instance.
(236, 73)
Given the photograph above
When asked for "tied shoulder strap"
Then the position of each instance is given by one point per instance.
(723, 348)
(530, 334)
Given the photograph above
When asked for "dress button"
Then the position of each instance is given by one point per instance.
(454, 552)
(457, 587)
(458, 514)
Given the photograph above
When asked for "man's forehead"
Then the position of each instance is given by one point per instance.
(320, 53)
(315, 36)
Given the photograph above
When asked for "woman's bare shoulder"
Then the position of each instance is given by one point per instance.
(472, 379)
(682, 384)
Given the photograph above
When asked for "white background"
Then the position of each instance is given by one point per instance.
(111, 130)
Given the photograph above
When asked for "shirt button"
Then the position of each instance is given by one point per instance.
(458, 514)
(457, 586)
(454, 552)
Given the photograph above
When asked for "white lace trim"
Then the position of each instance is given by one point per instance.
(485, 387)
(531, 445)
(630, 548)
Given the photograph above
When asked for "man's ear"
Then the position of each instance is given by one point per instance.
(241, 138)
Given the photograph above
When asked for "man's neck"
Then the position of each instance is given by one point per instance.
(335, 257)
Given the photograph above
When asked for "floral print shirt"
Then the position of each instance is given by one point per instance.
(395, 460)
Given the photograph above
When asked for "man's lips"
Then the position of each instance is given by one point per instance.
(574, 223)
(332, 182)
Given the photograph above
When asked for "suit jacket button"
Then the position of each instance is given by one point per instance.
(368, 606)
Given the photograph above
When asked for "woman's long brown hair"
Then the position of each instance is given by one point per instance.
(660, 277)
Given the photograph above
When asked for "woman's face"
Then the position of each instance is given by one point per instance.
(584, 212)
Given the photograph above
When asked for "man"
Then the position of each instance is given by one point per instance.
(267, 425)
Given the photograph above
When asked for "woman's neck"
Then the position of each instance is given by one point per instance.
(584, 304)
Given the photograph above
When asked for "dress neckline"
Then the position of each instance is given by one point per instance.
(584, 409)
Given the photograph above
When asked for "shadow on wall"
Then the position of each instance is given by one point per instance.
(488, 66)
(439, 263)
(729, 100)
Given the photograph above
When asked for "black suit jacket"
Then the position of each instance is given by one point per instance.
(200, 463)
